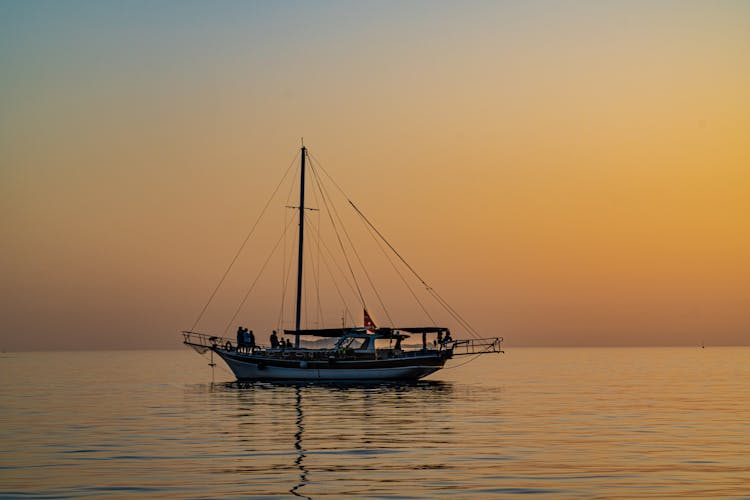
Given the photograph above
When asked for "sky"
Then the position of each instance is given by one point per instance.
(566, 173)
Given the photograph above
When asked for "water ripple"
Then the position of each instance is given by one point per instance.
(551, 423)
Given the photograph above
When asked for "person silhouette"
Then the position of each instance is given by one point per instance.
(240, 338)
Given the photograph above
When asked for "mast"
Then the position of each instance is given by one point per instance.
(301, 238)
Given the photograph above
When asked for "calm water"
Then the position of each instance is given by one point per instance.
(550, 423)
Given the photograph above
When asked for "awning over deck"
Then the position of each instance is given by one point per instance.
(383, 332)
(425, 329)
(320, 332)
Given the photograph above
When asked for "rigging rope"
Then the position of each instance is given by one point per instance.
(315, 264)
(287, 273)
(465, 362)
(242, 246)
(341, 271)
(473, 358)
(338, 237)
(400, 275)
(347, 312)
(315, 259)
(333, 216)
(287, 269)
(454, 313)
(255, 281)
(473, 332)
(429, 289)
(325, 195)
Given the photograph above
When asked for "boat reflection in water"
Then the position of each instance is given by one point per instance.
(347, 439)
(298, 445)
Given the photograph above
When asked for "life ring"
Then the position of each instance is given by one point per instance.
(228, 346)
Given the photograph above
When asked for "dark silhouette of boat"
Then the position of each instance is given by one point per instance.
(362, 353)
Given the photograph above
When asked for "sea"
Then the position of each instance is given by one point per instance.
(530, 423)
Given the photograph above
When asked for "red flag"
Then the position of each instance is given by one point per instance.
(369, 323)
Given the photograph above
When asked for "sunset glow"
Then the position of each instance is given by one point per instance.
(563, 173)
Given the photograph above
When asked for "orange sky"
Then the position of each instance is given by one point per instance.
(563, 174)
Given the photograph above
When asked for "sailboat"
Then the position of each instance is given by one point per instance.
(360, 353)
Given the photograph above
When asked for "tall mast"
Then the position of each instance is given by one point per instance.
(301, 238)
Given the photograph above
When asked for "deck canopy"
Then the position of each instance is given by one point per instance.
(426, 329)
(320, 332)
(381, 332)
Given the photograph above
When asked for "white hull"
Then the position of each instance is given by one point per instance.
(252, 371)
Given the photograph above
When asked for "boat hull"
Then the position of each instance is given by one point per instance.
(251, 368)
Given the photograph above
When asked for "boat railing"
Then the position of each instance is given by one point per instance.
(477, 346)
(203, 341)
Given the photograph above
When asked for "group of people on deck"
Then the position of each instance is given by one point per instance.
(246, 340)
(277, 343)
